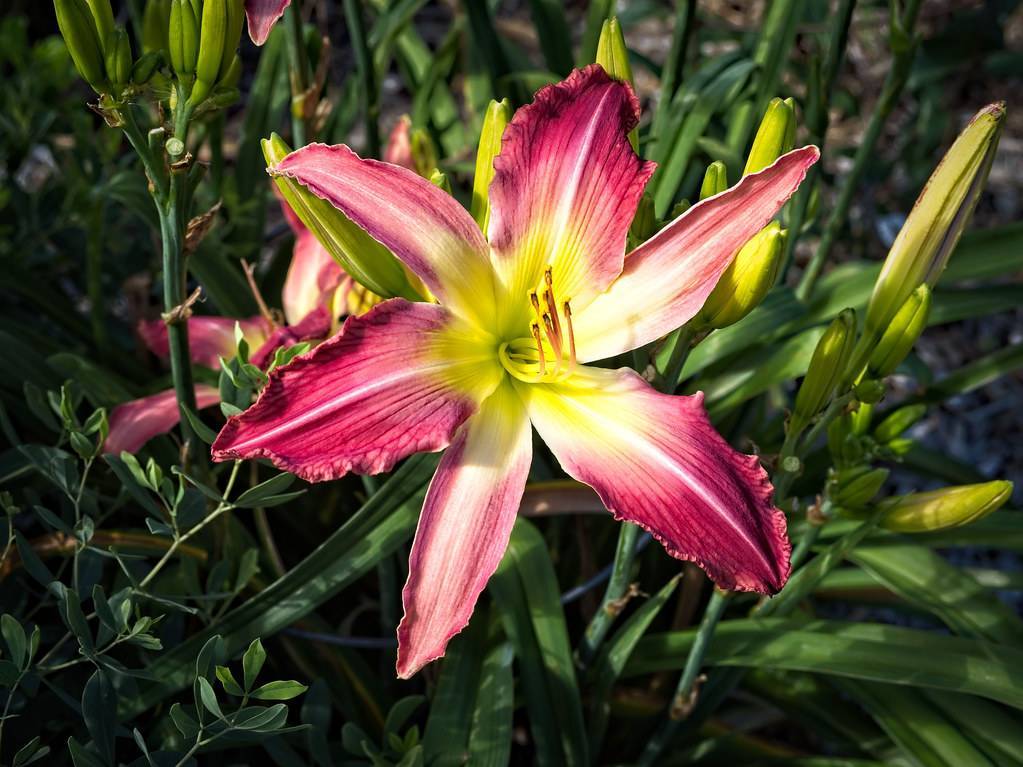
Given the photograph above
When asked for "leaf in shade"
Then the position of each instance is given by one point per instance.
(99, 709)
(252, 662)
(280, 690)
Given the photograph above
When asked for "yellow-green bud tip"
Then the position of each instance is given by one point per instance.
(945, 508)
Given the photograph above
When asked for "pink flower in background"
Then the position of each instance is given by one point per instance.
(261, 15)
(520, 312)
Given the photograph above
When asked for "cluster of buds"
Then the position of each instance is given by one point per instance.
(100, 50)
(202, 40)
(754, 269)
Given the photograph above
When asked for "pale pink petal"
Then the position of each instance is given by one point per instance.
(312, 278)
(656, 460)
(209, 338)
(667, 279)
(398, 380)
(464, 527)
(422, 225)
(262, 15)
(133, 424)
(565, 189)
(314, 326)
(399, 144)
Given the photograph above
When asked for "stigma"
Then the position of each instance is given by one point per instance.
(548, 354)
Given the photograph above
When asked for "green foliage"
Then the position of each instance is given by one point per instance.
(161, 609)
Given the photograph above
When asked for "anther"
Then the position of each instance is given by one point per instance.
(571, 335)
(555, 341)
(535, 329)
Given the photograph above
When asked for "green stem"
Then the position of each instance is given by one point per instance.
(618, 584)
(890, 93)
(677, 358)
(152, 163)
(367, 73)
(298, 69)
(682, 701)
(817, 121)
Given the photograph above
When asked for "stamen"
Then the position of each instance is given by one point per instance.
(555, 341)
(552, 309)
(536, 303)
(571, 336)
(535, 330)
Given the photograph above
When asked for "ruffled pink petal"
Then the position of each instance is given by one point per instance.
(133, 424)
(398, 380)
(314, 326)
(464, 528)
(312, 279)
(209, 338)
(422, 225)
(399, 144)
(262, 15)
(656, 460)
(565, 188)
(667, 279)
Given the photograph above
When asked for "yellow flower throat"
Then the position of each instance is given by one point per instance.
(548, 355)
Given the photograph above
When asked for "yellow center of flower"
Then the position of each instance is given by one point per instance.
(548, 354)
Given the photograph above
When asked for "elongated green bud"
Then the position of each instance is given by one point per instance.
(855, 487)
(176, 37)
(747, 279)
(903, 331)
(363, 258)
(212, 32)
(144, 68)
(232, 36)
(825, 371)
(775, 136)
(715, 180)
(103, 16)
(945, 508)
(613, 56)
(494, 122)
(183, 38)
(118, 58)
(233, 74)
(155, 21)
(898, 421)
(424, 153)
(78, 28)
(926, 241)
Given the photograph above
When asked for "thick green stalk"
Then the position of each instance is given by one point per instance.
(817, 122)
(299, 73)
(610, 605)
(891, 91)
(367, 74)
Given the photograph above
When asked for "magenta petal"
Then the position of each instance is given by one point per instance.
(314, 326)
(133, 424)
(667, 279)
(566, 186)
(209, 338)
(467, 518)
(312, 279)
(656, 460)
(262, 15)
(422, 225)
(390, 384)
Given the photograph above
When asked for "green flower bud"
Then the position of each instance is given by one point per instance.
(854, 488)
(78, 28)
(825, 370)
(715, 180)
(212, 31)
(183, 38)
(118, 58)
(363, 258)
(232, 37)
(494, 122)
(424, 153)
(775, 136)
(440, 180)
(613, 56)
(747, 279)
(926, 241)
(945, 508)
(859, 419)
(230, 77)
(900, 335)
(103, 16)
(144, 68)
(898, 421)
(900, 446)
(869, 391)
(155, 21)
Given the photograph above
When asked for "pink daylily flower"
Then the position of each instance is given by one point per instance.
(519, 313)
(315, 291)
